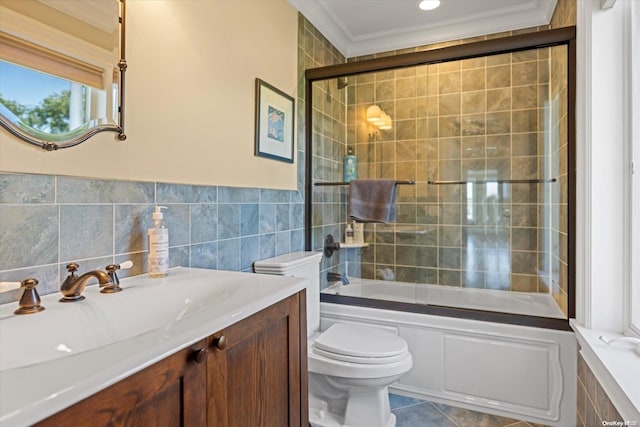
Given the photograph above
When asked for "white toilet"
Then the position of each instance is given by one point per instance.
(350, 365)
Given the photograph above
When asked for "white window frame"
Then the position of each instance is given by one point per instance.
(632, 294)
(606, 266)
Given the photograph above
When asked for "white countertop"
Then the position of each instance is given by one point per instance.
(112, 336)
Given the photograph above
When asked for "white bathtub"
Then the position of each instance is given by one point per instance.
(527, 303)
(521, 372)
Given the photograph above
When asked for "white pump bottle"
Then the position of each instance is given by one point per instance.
(158, 245)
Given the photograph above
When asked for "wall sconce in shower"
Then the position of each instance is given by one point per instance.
(386, 122)
(378, 118)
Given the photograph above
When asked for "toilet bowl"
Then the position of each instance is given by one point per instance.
(350, 365)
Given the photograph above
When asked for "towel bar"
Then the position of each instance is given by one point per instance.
(323, 184)
(498, 181)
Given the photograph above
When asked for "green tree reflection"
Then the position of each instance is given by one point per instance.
(50, 115)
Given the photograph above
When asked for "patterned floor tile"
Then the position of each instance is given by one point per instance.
(468, 418)
(421, 415)
(396, 401)
(411, 412)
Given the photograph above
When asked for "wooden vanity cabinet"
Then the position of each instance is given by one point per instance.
(257, 369)
(167, 393)
(252, 373)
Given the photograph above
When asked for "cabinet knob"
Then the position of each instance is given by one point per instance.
(199, 355)
(220, 342)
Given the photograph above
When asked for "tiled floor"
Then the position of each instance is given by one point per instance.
(420, 413)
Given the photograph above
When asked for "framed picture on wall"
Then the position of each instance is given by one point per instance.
(274, 123)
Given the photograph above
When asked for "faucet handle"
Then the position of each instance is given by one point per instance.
(111, 271)
(125, 265)
(30, 300)
(72, 267)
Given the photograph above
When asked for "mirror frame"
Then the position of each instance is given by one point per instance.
(16, 131)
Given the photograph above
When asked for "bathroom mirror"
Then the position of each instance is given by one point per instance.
(62, 66)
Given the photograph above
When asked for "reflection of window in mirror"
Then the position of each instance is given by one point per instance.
(48, 103)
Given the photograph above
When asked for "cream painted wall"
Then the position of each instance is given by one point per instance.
(189, 97)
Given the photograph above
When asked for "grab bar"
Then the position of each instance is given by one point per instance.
(323, 184)
(498, 181)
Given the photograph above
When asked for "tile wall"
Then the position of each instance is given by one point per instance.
(593, 406)
(329, 115)
(475, 119)
(49, 221)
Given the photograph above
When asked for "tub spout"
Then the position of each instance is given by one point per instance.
(73, 285)
(337, 277)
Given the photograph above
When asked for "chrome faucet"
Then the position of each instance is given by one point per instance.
(73, 285)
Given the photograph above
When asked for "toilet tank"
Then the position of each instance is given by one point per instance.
(299, 264)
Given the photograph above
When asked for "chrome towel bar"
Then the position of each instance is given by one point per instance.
(499, 181)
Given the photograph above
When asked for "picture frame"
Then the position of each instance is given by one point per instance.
(274, 127)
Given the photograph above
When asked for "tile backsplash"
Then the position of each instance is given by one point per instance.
(49, 221)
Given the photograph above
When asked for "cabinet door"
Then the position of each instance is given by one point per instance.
(171, 392)
(257, 369)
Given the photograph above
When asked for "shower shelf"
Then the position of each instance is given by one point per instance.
(498, 181)
(353, 245)
(326, 184)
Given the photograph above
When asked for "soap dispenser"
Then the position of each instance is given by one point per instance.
(348, 235)
(158, 245)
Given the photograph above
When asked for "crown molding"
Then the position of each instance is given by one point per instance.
(532, 14)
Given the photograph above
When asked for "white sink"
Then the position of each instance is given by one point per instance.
(53, 359)
(145, 304)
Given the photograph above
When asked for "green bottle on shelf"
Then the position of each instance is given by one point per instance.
(350, 166)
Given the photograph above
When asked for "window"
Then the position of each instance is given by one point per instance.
(634, 256)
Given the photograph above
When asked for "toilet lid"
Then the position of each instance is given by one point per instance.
(344, 341)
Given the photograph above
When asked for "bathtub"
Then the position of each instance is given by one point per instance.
(523, 303)
(506, 369)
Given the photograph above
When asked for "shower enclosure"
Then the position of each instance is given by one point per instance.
(481, 145)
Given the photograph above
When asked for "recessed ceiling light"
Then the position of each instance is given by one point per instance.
(428, 4)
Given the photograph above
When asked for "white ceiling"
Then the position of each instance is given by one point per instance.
(361, 27)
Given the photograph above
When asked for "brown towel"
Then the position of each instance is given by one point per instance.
(372, 200)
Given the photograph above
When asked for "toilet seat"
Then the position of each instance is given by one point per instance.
(360, 344)
(358, 351)
(352, 359)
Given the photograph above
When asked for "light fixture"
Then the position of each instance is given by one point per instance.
(386, 122)
(379, 120)
(428, 4)
(377, 117)
(374, 114)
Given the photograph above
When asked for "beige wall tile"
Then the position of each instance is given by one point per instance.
(449, 82)
(498, 76)
(499, 99)
(474, 102)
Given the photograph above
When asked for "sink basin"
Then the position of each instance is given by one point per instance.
(101, 319)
